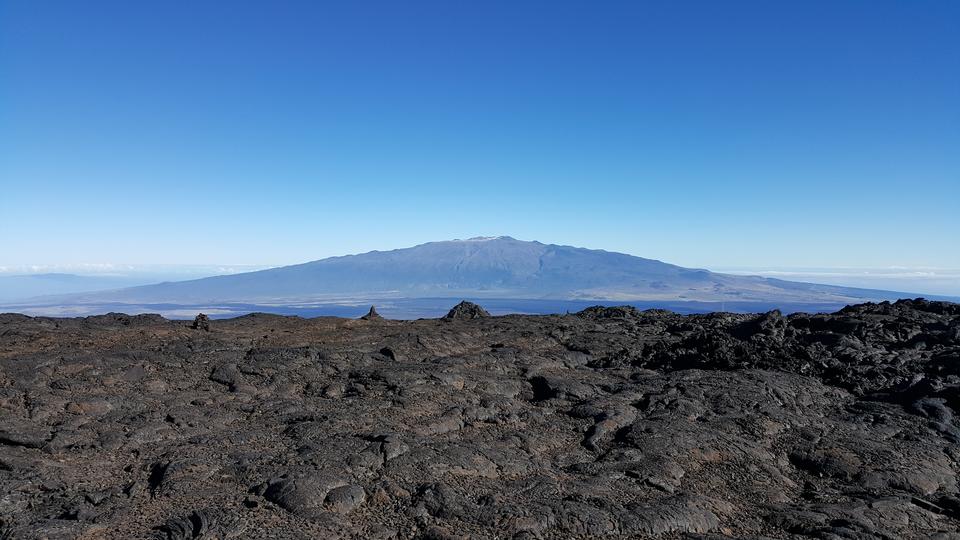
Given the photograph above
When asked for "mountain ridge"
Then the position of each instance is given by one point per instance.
(493, 267)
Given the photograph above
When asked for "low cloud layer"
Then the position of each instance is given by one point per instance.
(920, 280)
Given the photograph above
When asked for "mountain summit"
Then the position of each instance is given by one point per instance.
(485, 267)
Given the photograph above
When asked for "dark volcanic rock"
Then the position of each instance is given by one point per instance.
(201, 322)
(612, 422)
(372, 315)
(304, 495)
(465, 311)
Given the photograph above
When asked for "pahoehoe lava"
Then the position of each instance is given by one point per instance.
(608, 422)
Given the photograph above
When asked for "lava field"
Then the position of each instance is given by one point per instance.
(610, 422)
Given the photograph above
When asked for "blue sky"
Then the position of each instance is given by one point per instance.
(709, 134)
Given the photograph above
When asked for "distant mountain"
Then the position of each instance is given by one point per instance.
(20, 286)
(27, 284)
(486, 267)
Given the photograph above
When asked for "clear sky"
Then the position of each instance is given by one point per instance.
(808, 133)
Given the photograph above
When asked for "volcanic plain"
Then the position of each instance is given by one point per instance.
(609, 422)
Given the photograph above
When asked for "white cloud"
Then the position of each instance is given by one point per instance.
(920, 280)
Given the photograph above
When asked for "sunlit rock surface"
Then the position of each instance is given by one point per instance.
(609, 422)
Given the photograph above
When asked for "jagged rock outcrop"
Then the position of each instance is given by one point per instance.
(611, 422)
(372, 315)
(201, 322)
(466, 311)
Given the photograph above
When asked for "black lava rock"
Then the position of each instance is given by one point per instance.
(466, 311)
(611, 423)
(201, 322)
(372, 315)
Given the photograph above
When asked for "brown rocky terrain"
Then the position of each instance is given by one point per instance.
(610, 422)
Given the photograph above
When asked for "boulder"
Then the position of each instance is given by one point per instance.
(466, 311)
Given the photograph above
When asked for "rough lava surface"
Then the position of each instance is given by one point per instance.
(610, 422)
